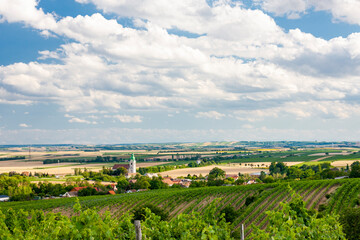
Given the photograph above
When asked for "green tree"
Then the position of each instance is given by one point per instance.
(355, 170)
(230, 214)
(141, 183)
(269, 179)
(156, 183)
(279, 167)
(216, 173)
(123, 184)
(120, 171)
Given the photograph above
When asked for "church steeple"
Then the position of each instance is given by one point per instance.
(132, 164)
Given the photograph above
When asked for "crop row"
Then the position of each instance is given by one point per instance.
(176, 201)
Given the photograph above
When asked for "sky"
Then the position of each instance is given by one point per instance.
(151, 71)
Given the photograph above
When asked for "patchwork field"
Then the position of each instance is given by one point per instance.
(58, 168)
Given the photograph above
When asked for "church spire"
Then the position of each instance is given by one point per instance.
(132, 164)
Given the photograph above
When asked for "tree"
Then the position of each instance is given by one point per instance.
(294, 172)
(123, 184)
(89, 191)
(120, 171)
(216, 173)
(355, 170)
(308, 173)
(156, 183)
(262, 175)
(141, 183)
(293, 221)
(277, 168)
(269, 179)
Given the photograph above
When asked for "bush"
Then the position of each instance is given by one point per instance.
(350, 220)
(322, 207)
(140, 212)
(249, 200)
(230, 214)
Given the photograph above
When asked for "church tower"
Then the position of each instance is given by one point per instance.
(132, 164)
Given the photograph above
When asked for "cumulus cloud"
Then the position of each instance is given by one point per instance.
(210, 114)
(74, 119)
(346, 11)
(24, 125)
(26, 11)
(241, 61)
(128, 119)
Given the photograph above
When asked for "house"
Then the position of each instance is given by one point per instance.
(255, 174)
(111, 192)
(142, 190)
(70, 194)
(150, 175)
(116, 166)
(76, 189)
(251, 182)
(26, 174)
(176, 181)
(113, 187)
(185, 184)
(4, 198)
(342, 177)
(129, 175)
(131, 191)
(198, 161)
(132, 180)
(234, 176)
(168, 181)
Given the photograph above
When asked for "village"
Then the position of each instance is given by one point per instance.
(128, 180)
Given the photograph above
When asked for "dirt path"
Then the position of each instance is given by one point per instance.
(319, 159)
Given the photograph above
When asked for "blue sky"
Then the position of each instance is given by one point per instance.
(95, 72)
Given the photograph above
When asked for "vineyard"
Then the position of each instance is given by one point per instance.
(336, 195)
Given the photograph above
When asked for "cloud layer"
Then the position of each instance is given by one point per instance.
(240, 64)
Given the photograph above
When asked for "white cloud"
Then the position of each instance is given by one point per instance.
(24, 125)
(74, 119)
(346, 11)
(128, 119)
(244, 62)
(210, 114)
(26, 11)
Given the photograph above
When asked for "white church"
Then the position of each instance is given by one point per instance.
(131, 167)
(132, 164)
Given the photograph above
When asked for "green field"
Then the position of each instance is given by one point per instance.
(268, 196)
(353, 156)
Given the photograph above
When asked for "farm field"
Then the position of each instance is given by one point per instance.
(230, 168)
(205, 170)
(343, 193)
(58, 168)
(226, 160)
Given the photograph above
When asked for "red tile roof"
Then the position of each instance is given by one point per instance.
(76, 189)
(111, 192)
(116, 166)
